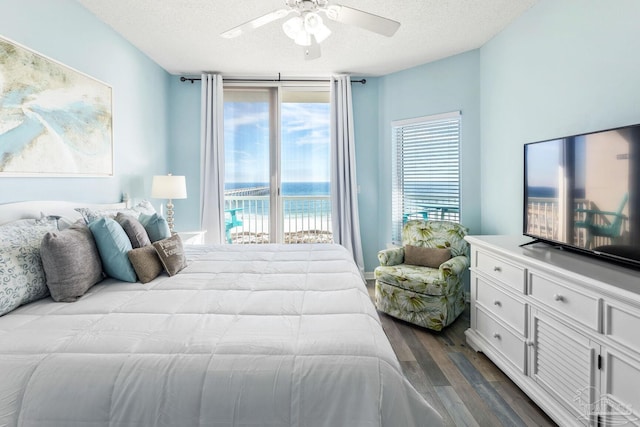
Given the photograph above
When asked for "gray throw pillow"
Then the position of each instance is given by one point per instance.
(71, 262)
(171, 254)
(426, 257)
(146, 263)
(134, 229)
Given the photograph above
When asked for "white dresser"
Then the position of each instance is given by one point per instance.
(565, 327)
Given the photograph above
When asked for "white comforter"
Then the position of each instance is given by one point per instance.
(273, 335)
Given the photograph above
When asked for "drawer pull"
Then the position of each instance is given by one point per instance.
(497, 268)
(558, 297)
(496, 335)
(496, 302)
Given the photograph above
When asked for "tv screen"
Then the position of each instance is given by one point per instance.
(582, 192)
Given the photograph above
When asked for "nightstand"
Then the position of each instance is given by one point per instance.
(192, 237)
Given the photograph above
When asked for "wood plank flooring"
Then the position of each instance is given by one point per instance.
(463, 385)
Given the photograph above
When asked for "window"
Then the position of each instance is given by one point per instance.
(426, 170)
(277, 146)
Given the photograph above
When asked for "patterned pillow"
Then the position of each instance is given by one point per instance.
(91, 214)
(22, 277)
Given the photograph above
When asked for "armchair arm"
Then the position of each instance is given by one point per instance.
(391, 256)
(454, 266)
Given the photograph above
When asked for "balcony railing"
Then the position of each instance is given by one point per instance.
(305, 219)
(543, 219)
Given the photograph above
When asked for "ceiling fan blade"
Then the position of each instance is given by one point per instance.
(255, 23)
(368, 21)
(313, 50)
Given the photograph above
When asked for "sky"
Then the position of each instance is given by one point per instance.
(305, 142)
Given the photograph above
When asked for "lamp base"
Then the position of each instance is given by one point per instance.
(170, 215)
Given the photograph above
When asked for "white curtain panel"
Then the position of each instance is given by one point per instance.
(212, 159)
(344, 187)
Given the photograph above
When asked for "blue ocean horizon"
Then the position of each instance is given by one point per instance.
(288, 188)
(291, 206)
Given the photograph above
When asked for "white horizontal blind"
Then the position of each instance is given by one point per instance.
(426, 170)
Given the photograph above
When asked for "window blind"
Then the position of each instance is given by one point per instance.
(426, 170)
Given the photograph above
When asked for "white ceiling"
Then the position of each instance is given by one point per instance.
(183, 36)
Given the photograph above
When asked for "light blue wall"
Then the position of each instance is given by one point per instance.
(65, 31)
(564, 67)
(184, 149)
(366, 118)
(451, 84)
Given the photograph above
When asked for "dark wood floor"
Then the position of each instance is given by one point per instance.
(464, 386)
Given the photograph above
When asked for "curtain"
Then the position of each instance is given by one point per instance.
(344, 190)
(212, 159)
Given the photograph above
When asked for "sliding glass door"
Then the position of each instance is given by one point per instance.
(277, 164)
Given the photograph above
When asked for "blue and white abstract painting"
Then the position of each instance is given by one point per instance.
(54, 121)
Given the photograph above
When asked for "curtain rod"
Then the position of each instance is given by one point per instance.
(279, 79)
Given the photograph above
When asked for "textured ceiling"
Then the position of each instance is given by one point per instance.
(183, 36)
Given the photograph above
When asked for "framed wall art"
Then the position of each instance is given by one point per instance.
(54, 120)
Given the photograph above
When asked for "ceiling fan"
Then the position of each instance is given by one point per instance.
(306, 27)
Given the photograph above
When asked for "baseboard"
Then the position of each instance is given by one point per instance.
(368, 275)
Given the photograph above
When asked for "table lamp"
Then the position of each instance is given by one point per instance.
(169, 187)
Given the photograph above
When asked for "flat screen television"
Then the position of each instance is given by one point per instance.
(582, 192)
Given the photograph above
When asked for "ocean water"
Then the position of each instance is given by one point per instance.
(315, 207)
(288, 188)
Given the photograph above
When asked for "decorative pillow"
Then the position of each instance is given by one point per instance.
(145, 207)
(156, 226)
(134, 229)
(113, 246)
(427, 257)
(22, 278)
(171, 254)
(71, 262)
(146, 262)
(91, 214)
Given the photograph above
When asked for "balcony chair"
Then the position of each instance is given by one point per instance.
(428, 296)
(611, 226)
(231, 221)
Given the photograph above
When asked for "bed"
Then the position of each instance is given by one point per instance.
(264, 335)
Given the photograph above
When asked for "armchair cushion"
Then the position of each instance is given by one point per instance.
(425, 280)
(427, 257)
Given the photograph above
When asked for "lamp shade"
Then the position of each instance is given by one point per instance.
(169, 187)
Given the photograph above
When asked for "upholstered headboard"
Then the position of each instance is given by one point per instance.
(34, 209)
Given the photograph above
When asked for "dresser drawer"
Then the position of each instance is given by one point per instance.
(506, 342)
(622, 324)
(499, 269)
(569, 302)
(499, 303)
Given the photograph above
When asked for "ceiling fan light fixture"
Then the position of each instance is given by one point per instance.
(313, 25)
(293, 27)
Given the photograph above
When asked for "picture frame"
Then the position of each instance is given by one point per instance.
(55, 121)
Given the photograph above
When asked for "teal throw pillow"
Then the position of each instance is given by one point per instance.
(113, 245)
(156, 226)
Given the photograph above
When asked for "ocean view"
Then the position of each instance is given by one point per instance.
(306, 209)
(288, 188)
(298, 197)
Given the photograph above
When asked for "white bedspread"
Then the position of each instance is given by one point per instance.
(272, 335)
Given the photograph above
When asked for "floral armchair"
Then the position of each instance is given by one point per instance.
(428, 297)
